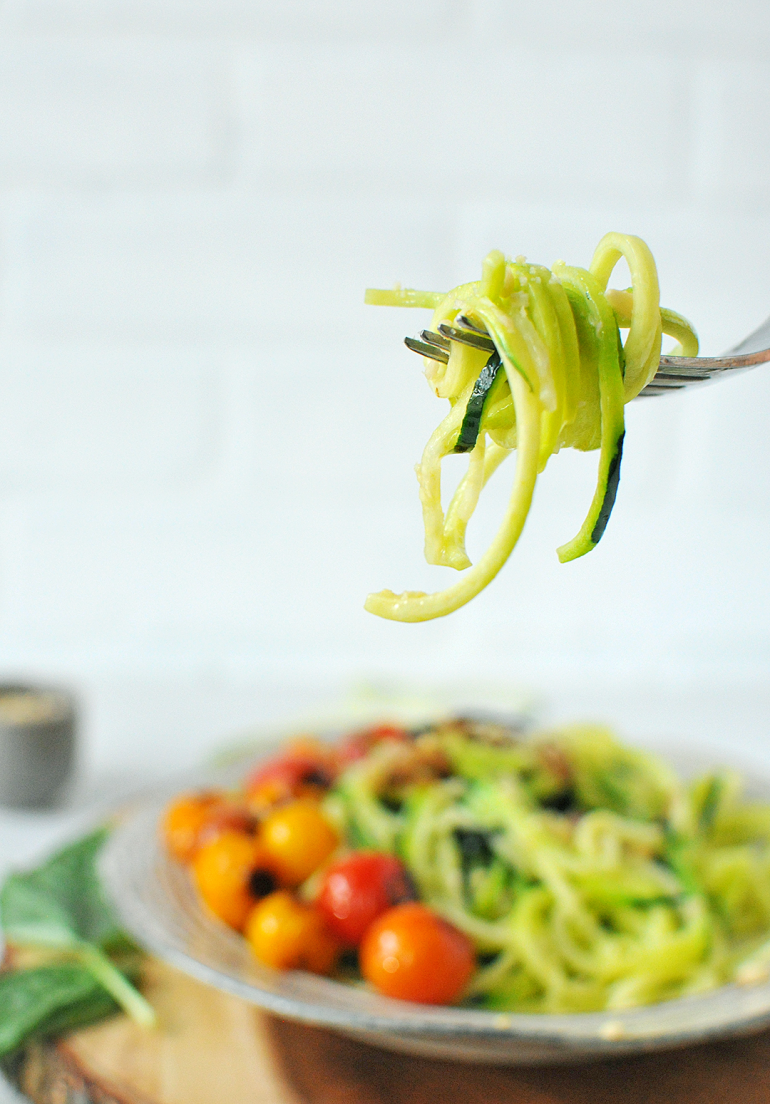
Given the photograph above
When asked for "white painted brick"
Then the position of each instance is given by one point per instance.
(284, 588)
(75, 418)
(109, 111)
(296, 19)
(219, 575)
(212, 266)
(741, 125)
(333, 423)
(666, 585)
(672, 29)
(725, 462)
(207, 441)
(470, 121)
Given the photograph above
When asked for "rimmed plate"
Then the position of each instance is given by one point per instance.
(159, 907)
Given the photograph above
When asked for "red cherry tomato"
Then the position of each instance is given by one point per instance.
(356, 746)
(412, 954)
(305, 769)
(359, 888)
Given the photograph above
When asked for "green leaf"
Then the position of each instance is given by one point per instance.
(61, 903)
(61, 906)
(46, 999)
(96, 1006)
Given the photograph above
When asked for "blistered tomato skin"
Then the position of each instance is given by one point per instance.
(296, 838)
(288, 935)
(411, 954)
(306, 769)
(359, 888)
(222, 869)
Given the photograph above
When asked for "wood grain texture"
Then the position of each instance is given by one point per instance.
(214, 1049)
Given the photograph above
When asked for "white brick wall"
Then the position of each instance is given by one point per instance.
(104, 111)
(206, 440)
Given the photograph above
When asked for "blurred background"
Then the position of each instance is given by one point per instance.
(207, 441)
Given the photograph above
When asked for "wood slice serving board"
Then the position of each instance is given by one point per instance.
(211, 1048)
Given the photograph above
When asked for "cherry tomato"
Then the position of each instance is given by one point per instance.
(222, 870)
(305, 769)
(295, 839)
(359, 888)
(360, 743)
(228, 814)
(412, 954)
(184, 822)
(288, 935)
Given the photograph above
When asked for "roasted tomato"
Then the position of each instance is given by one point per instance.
(289, 935)
(358, 744)
(194, 819)
(184, 822)
(359, 888)
(412, 954)
(306, 769)
(295, 839)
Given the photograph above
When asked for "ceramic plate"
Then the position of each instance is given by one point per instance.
(159, 907)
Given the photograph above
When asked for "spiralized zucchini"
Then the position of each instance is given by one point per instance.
(565, 378)
(586, 873)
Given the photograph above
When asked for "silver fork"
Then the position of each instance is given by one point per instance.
(673, 374)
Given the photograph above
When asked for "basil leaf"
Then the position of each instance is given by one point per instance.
(60, 906)
(61, 903)
(46, 997)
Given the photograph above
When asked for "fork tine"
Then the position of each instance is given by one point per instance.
(703, 371)
(682, 377)
(467, 337)
(426, 350)
(435, 339)
(464, 321)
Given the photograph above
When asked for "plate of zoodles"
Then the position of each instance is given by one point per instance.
(463, 888)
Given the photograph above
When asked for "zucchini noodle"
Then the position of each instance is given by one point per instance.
(559, 377)
(587, 874)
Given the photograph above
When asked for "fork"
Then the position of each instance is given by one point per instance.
(673, 374)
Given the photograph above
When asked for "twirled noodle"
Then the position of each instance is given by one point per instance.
(586, 873)
(565, 378)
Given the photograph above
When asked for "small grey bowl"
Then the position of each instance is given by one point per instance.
(37, 744)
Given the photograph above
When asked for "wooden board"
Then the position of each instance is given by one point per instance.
(214, 1049)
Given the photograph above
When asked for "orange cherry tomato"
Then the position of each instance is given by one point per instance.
(412, 954)
(222, 869)
(288, 935)
(184, 822)
(295, 839)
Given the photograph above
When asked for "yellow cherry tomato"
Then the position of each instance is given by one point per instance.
(288, 935)
(295, 840)
(222, 869)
